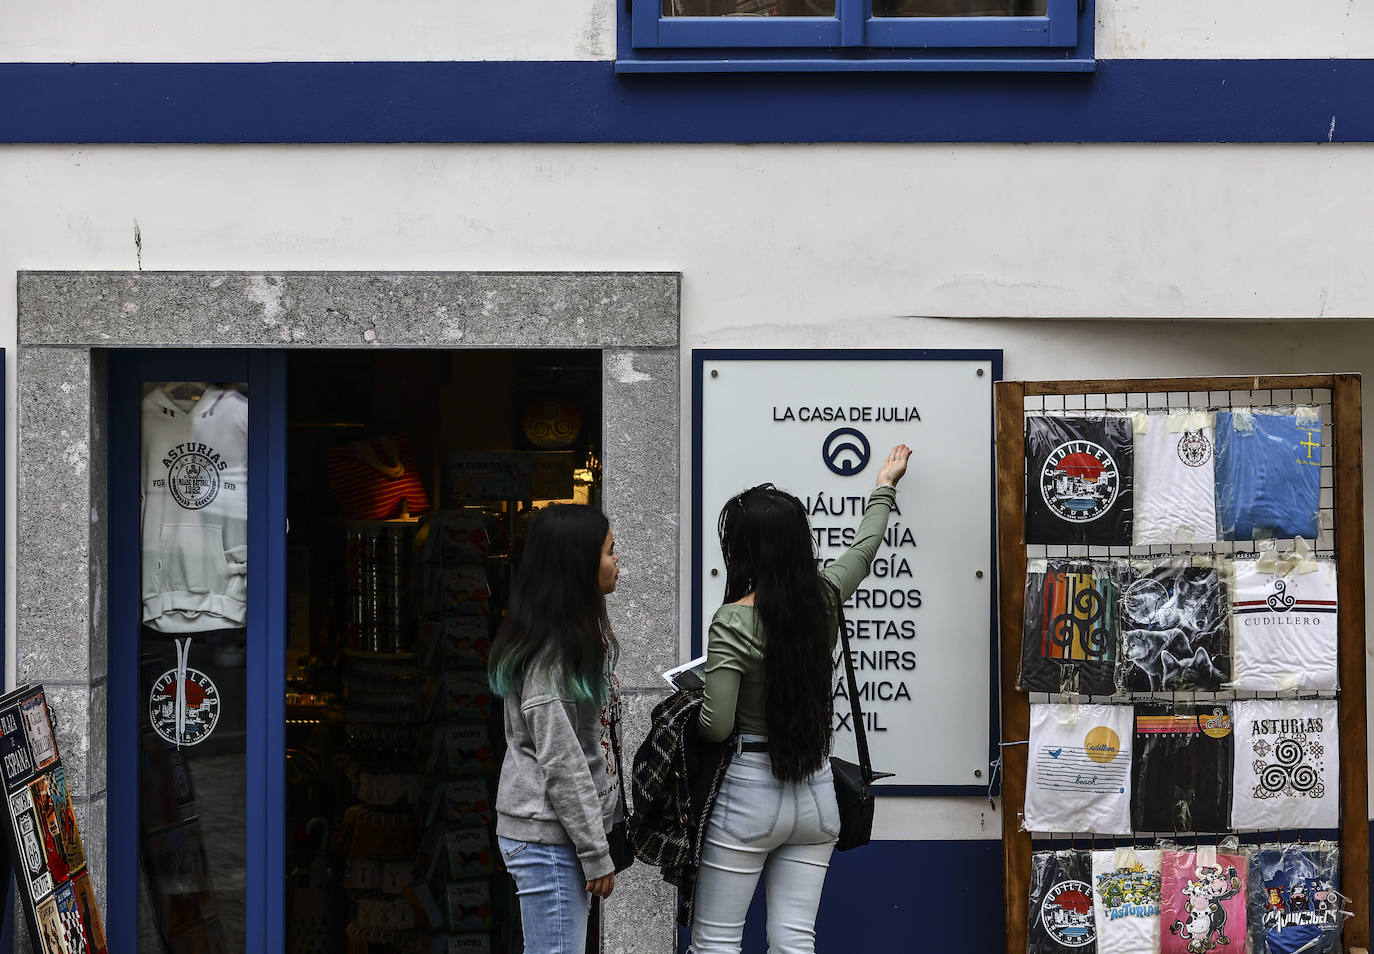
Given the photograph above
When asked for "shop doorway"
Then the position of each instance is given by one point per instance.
(409, 478)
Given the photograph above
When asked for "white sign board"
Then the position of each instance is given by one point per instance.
(820, 424)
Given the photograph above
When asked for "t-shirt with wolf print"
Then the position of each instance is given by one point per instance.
(1174, 628)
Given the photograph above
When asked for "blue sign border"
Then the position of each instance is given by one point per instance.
(994, 356)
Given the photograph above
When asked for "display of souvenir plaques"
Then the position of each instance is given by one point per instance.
(16, 759)
(1078, 480)
(38, 727)
(44, 842)
(1175, 631)
(1070, 636)
(1181, 772)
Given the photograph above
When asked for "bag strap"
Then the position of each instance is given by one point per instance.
(860, 735)
(619, 767)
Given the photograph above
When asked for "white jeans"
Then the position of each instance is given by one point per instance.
(784, 830)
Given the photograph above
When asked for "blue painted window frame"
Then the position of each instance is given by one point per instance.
(265, 775)
(855, 40)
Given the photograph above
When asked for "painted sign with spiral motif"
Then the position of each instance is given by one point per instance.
(551, 424)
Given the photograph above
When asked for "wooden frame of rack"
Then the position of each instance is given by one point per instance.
(1348, 484)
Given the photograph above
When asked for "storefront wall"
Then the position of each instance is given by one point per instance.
(953, 256)
(1117, 260)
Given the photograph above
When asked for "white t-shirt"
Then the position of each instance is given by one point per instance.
(1283, 628)
(1287, 764)
(1126, 900)
(1175, 484)
(1078, 776)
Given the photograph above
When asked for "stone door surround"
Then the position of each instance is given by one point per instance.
(68, 319)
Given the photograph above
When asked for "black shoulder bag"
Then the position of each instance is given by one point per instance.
(622, 851)
(853, 783)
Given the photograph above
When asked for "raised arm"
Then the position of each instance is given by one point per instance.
(850, 568)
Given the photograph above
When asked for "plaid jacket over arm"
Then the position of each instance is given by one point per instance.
(676, 778)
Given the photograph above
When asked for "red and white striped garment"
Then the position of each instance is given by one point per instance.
(372, 478)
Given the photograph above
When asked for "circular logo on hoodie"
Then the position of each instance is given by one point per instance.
(193, 480)
(183, 711)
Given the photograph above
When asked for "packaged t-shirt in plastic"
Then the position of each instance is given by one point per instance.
(1175, 484)
(1079, 773)
(1268, 474)
(1070, 636)
(1181, 773)
(1174, 632)
(1203, 902)
(1295, 905)
(1283, 624)
(1126, 900)
(1078, 480)
(1060, 911)
(1287, 764)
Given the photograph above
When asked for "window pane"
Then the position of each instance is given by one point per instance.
(193, 647)
(959, 8)
(748, 8)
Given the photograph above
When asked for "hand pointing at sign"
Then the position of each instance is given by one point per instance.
(894, 467)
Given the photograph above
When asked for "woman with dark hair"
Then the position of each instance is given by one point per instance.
(769, 673)
(553, 661)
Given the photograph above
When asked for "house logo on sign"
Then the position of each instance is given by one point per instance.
(846, 451)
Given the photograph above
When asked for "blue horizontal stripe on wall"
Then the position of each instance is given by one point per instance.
(1124, 101)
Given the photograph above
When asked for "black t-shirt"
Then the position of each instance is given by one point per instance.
(1174, 629)
(1070, 636)
(1060, 911)
(1181, 767)
(1078, 480)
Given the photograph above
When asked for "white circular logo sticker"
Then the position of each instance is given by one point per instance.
(1067, 914)
(1079, 481)
(187, 717)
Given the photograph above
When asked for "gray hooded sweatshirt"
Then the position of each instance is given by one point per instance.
(558, 783)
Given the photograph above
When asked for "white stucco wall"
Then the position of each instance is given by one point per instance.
(914, 246)
(258, 30)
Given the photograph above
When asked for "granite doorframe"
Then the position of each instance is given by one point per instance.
(68, 320)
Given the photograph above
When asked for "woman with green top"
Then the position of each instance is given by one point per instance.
(769, 672)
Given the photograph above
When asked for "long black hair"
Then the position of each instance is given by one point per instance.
(557, 606)
(766, 540)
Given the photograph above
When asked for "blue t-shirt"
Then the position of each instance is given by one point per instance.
(1294, 899)
(1268, 478)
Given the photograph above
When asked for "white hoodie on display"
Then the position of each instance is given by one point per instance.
(195, 511)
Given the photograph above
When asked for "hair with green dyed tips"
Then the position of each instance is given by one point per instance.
(557, 610)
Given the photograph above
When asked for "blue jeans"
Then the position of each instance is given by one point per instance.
(784, 831)
(554, 900)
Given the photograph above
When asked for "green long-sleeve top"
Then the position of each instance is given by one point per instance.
(735, 642)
